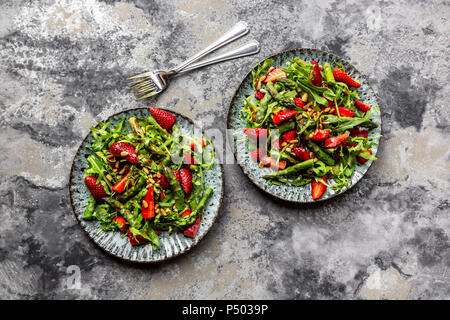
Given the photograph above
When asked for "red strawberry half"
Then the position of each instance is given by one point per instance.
(186, 180)
(164, 118)
(138, 240)
(117, 149)
(301, 153)
(362, 106)
(341, 76)
(290, 135)
(96, 189)
(256, 133)
(316, 76)
(163, 182)
(259, 95)
(177, 175)
(192, 230)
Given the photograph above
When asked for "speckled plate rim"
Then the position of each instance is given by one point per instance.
(231, 138)
(194, 243)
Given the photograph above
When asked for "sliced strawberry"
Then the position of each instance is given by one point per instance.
(318, 188)
(267, 161)
(341, 76)
(361, 159)
(259, 95)
(290, 135)
(119, 187)
(136, 241)
(320, 135)
(343, 112)
(124, 150)
(283, 116)
(186, 213)
(362, 106)
(256, 133)
(96, 189)
(148, 209)
(299, 103)
(164, 118)
(163, 183)
(316, 76)
(192, 230)
(301, 153)
(274, 75)
(186, 180)
(122, 224)
(333, 142)
(357, 132)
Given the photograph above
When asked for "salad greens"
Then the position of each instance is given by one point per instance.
(146, 177)
(307, 123)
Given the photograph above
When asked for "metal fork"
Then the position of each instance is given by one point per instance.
(148, 84)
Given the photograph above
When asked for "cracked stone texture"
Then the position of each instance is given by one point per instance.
(63, 66)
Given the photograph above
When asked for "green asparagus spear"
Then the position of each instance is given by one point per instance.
(122, 210)
(89, 212)
(320, 154)
(178, 191)
(133, 190)
(292, 169)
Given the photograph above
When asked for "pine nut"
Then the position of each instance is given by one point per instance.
(311, 154)
(305, 97)
(117, 164)
(145, 204)
(263, 91)
(158, 175)
(124, 154)
(163, 212)
(260, 165)
(109, 156)
(284, 144)
(131, 181)
(108, 177)
(293, 141)
(124, 169)
(315, 160)
(146, 170)
(288, 149)
(258, 85)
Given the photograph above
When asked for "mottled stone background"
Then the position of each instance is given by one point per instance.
(63, 66)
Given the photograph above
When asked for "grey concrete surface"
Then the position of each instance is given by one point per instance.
(63, 66)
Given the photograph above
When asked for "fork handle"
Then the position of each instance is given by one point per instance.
(239, 29)
(246, 50)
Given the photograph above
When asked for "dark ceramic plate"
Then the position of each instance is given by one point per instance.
(236, 124)
(114, 242)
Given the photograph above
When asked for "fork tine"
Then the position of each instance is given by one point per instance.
(143, 91)
(141, 75)
(145, 86)
(147, 95)
(140, 83)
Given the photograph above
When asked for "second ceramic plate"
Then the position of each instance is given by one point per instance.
(236, 124)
